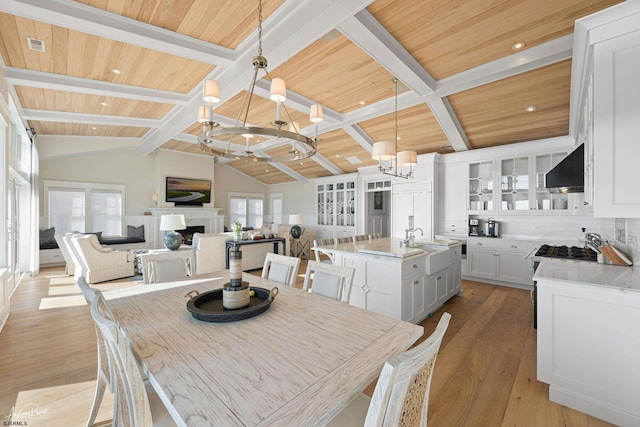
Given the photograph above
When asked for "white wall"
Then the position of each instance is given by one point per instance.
(228, 180)
(297, 197)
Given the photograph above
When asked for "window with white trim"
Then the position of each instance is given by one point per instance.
(276, 208)
(85, 207)
(246, 208)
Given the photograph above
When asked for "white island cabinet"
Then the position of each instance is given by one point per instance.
(588, 337)
(403, 283)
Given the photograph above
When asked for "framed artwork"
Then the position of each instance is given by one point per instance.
(377, 207)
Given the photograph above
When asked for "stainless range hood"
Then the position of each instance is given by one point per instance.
(568, 175)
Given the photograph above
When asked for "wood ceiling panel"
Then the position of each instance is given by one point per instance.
(494, 114)
(337, 145)
(418, 130)
(81, 129)
(56, 100)
(307, 167)
(77, 54)
(262, 171)
(223, 22)
(450, 37)
(335, 73)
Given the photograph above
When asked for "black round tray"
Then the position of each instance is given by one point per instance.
(208, 307)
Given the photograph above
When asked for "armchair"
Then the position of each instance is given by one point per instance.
(70, 266)
(101, 264)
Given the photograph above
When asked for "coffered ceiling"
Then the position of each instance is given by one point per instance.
(463, 86)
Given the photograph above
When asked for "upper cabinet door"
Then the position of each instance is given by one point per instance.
(481, 186)
(616, 140)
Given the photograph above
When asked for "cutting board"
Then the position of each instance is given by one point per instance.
(616, 257)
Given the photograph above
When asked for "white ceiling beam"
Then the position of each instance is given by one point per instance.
(283, 36)
(94, 119)
(22, 77)
(446, 117)
(92, 20)
(517, 63)
(368, 34)
(512, 65)
(360, 136)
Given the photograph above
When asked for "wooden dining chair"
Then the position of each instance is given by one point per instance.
(137, 405)
(401, 396)
(281, 268)
(329, 280)
(323, 242)
(105, 376)
(345, 239)
(375, 236)
(360, 238)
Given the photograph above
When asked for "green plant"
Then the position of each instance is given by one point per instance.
(236, 227)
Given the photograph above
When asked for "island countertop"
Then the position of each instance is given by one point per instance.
(589, 273)
(387, 246)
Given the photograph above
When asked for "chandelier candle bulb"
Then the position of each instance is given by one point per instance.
(203, 113)
(211, 91)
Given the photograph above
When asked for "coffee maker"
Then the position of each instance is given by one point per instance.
(492, 228)
(474, 227)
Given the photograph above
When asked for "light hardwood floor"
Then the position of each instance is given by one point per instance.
(485, 374)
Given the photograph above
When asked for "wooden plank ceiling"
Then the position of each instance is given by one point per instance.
(341, 54)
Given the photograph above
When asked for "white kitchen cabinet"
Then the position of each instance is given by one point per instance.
(336, 205)
(412, 199)
(480, 184)
(499, 261)
(616, 127)
(453, 210)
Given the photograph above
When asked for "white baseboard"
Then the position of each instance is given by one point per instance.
(593, 408)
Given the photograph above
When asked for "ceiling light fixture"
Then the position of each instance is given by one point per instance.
(302, 147)
(518, 45)
(103, 104)
(116, 71)
(388, 151)
(530, 108)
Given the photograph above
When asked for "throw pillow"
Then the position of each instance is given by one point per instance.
(47, 236)
(98, 235)
(135, 232)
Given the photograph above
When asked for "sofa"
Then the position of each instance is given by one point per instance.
(211, 252)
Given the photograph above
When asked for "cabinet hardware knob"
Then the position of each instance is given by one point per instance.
(513, 246)
(479, 244)
(439, 278)
(415, 266)
(585, 203)
(415, 282)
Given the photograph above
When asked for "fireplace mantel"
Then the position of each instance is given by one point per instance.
(208, 217)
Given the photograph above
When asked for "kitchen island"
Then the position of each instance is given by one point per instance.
(405, 283)
(588, 337)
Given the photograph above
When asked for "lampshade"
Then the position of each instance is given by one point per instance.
(315, 115)
(296, 219)
(407, 158)
(278, 91)
(172, 222)
(383, 150)
(203, 114)
(211, 92)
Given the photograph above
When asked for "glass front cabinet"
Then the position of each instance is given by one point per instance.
(336, 202)
(519, 184)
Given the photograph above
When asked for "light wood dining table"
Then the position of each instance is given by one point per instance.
(297, 364)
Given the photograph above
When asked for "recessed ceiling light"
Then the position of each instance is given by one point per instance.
(301, 163)
(518, 45)
(398, 137)
(93, 127)
(530, 108)
(266, 170)
(362, 102)
(337, 155)
(116, 71)
(103, 103)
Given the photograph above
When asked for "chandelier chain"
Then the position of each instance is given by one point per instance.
(260, 28)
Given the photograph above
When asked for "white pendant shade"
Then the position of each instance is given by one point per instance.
(407, 158)
(211, 92)
(383, 150)
(203, 114)
(172, 222)
(296, 219)
(315, 115)
(278, 91)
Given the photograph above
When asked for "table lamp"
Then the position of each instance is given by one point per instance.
(170, 223)
(295, 220)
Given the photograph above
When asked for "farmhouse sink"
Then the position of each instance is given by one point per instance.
(438, 257)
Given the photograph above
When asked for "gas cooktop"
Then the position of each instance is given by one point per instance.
(573, 252)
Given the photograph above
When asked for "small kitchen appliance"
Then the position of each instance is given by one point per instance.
(474, 227)
(491, 228)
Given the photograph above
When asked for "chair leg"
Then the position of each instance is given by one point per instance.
(97, 400)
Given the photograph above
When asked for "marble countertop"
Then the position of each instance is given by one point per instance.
(387, 246)
(589, 273)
